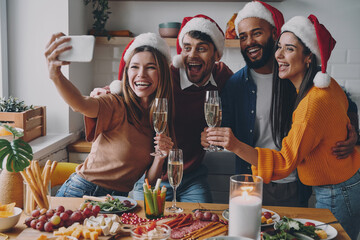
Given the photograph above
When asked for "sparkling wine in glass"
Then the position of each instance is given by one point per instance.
(175, 174)
(160, 119)
(212, 112)
(219, 148)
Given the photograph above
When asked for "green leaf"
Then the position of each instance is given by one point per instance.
(18, 153)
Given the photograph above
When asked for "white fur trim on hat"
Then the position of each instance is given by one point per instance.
(322, 80)
(115, 87)
(205, 26)
(303, 28)
(149, 39)
(253, 9)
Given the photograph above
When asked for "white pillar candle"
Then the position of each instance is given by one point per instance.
(245, 216)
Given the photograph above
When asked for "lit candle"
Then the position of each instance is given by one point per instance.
(245, 209)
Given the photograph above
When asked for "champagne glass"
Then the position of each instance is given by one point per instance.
(212, 112)
(219, 148)
(175, 173)
(160, 119)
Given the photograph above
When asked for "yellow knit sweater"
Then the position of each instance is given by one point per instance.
(319, 122)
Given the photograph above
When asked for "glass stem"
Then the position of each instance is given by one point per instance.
(174, 199)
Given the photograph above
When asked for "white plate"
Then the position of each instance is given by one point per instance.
(330, 230)
(275, 217)
(133, 202)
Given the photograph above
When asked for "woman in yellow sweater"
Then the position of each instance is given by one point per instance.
(306, 124)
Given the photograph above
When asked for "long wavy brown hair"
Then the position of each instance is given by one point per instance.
(164, 90)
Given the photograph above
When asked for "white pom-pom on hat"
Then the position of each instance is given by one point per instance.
(115, 86)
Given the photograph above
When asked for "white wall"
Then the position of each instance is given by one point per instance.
(30, 25)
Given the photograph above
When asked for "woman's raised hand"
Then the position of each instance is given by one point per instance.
(52, 52)
(163, 143)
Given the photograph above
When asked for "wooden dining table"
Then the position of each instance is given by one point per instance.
(322, 215)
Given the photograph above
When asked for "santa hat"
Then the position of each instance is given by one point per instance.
(261, 10)
(318, 39)
(203, 24)
(145, 39)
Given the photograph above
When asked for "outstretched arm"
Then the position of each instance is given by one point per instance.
(72, 96)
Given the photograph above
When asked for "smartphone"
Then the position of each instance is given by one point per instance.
(82, 49)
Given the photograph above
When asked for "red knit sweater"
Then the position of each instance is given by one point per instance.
(319, 122)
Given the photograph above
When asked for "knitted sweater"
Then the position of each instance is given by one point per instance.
(190, 117)
(319, 122)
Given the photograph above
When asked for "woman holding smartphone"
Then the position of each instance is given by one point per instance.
(120, 125)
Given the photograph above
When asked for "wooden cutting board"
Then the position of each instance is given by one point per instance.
(32, 234)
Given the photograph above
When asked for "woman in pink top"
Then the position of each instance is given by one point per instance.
(120, 125)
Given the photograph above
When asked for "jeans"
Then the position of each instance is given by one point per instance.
(343, 200)
(193, 188)
(76, 186)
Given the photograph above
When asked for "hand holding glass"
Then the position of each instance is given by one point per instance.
(175, 173)
(160, 119)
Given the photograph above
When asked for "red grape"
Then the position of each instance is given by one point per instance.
(69, 212)
(49, 213)
(267, 215)
(75, 216)
(207, 216)
(28, 221)
(35, 213)
(40, 225)
(48, 227)
(60, 209)
(64, 216)
(43, 218)
(214, 217)
(87, 212)
(68, 223)
(33, 223)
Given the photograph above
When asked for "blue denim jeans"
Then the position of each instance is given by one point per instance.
(193, 188)
(343, 200)
(76, 186)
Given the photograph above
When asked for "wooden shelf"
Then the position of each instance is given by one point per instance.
(229, 43)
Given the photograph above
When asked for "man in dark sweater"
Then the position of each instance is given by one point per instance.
(195, 70)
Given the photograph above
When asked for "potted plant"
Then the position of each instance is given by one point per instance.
(15, 156)
(101, 15)
(16, 113)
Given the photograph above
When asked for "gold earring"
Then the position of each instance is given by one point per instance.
(308, 65)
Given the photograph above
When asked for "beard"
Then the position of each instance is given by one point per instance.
(267, 53)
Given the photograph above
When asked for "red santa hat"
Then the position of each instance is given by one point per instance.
(145, 39)
(203, 24)
(318, 39)
(261, 10)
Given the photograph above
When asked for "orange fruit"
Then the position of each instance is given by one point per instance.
(4, 132)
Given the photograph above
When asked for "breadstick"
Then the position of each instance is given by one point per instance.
(32, 187)
(48, 163)
(46, 176)
(44, 190)
(214, 232)
(53, 166)
(39, 183)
